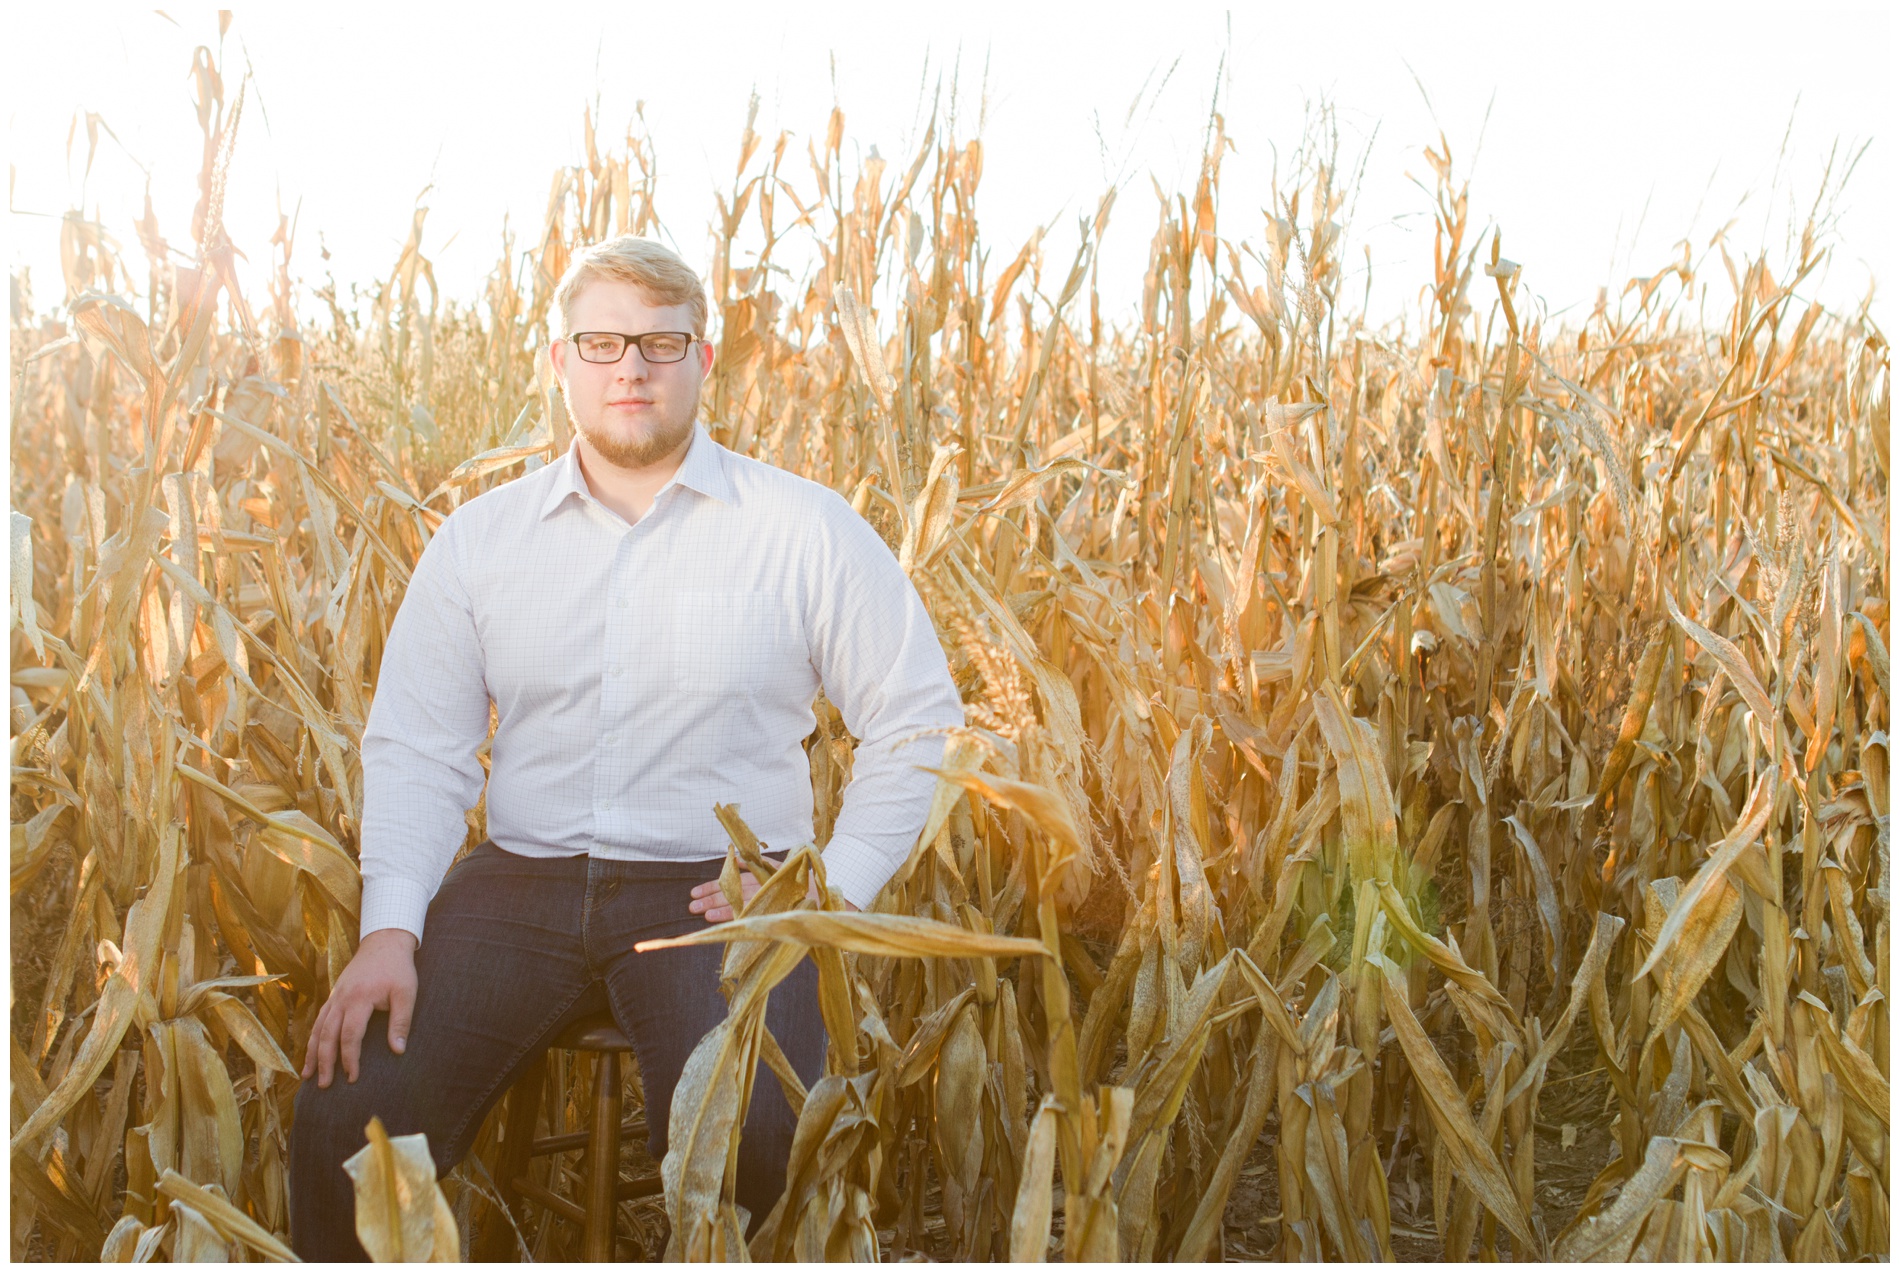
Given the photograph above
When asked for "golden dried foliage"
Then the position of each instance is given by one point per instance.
(1352, 715)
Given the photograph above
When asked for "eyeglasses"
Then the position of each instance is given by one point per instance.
(611, 346)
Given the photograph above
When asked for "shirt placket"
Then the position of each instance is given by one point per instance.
(628, 619)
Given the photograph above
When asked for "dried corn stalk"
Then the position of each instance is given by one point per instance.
(1421, 797)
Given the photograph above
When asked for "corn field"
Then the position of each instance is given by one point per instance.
(1424, 792)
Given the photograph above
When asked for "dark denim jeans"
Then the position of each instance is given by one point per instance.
(514, 950)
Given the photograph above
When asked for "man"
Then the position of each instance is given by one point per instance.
(651, 616)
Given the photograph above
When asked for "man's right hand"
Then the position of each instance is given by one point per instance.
(382, 975)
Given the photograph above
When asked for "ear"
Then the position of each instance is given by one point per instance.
(705, 356)
(557, 357)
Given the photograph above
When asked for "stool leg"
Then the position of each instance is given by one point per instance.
(517, 1144)
(603, 1160)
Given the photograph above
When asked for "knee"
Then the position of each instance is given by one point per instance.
(383, 1089)
(321, 1109)
(332, 1123)
(335, 1116)
(798, 1024)
(766, 1140)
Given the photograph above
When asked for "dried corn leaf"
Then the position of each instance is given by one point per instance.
(230, 1223)
(1477, 1162)
(1700, 898)
(401, 1214)
(896, 935)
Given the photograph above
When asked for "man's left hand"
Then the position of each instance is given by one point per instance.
(711, 901)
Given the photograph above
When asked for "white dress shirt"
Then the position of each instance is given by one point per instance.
(643, 673)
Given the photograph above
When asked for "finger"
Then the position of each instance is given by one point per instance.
(310, 1045)
(700, 890)
(350, 1040)
(719, 914)
(326, 1045)
(402, 1003)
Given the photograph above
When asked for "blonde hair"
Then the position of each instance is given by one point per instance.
(649, 265)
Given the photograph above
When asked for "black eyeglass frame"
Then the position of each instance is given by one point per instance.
(638, 342)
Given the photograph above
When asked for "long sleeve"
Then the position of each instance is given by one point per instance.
(881, 665)
(420, 768)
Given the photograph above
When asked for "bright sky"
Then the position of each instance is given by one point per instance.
(1608, 134)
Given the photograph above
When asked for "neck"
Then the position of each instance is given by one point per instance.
(629, 492)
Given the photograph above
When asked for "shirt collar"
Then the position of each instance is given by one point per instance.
(702, 469)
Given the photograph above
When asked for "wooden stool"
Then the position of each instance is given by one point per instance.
(601, 1143)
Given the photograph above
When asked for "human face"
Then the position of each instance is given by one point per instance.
(632, 413)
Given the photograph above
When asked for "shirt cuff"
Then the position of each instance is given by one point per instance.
(856, 870)
(391, 901)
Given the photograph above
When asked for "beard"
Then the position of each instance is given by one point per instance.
(641, 450)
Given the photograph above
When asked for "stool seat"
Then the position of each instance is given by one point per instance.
(597, 1033)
